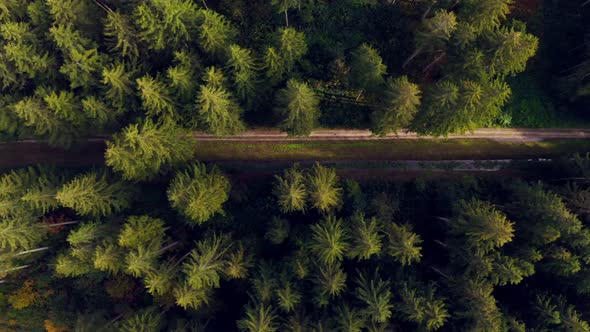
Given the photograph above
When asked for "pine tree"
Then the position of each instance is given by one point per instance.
(121, 34)
(97, 112)
(484, 227)
(142, 231)
(82, 67)
(290, 190)
(398, 108)
(141, 261)
(278, 231)
(403, 244)
(160, 281)
(259, 318)
(511, 50)
(206, 264)
(330, 281)
(92, 194)
(288, 297)
(238, 263)
(35, 114)
(273, 63)
(292, 47)
(329, 240)
(140, 151)
(283, 6)
(199, 193)
(71, 266)
(478, 306)
(20, 234)
(147, 320)
(324, 193)
(298, 105)
(216, 32)
(484, 15)
(349, 319)
(243, 68)
(155, 97)
(423, 309)
(217, 110)
(366, 239)
(366, 69)
(65, 105)
(190, 298)
(109, 257)
(375, 295)
(434, 33)
(118, 83)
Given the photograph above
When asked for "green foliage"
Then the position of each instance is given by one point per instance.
(218, 112)
(17, 234)
(429, 313)
(366, 238)
(92, 194)
(206, 263)
(402, 244)
(298, 106)
(367, 69)
(215, 32)
(140, 151)
(512, 50)
(259, 318)
(199, 193)
(142, 231)
(290, 190)
(399, 106)
(155, 97)
(374, 293)
(324, 193)
(329, 240)
(148, 320)
(278, 231)
(121, 34)
(330, 282)
(484, 227)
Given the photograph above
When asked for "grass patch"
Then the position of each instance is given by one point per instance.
(439, 149)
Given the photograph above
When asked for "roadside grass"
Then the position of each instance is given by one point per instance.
(438, 149)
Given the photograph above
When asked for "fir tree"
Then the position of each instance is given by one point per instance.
(290, 190)
(329, 240)
(297, 105)
(398, 108)
(324, 193)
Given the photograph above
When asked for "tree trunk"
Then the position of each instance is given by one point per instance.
(359, 95)
(428, 10)
(16, 268)
(205, 4)
(409, 59)
(32, 250)
(433, 62)
(286, 18)
(167, 247)
(63, 223)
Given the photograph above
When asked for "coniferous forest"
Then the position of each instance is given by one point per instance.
(154, 240)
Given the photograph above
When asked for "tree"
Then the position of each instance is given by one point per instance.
(217, 111)
(65, 105)
(478, 306)
(278, 231)
(288, 297)
(216, 32)
(290, 190)
(259, 318)
(284, 6)
(92, 194)
(366, 69)
(190, 298)
(148, 320)
(366, 239)
(426, 311)
(329, 240)
(142, 231)
(243, 68)
(18, 234)
(510, 51)
(155, 97)
(141, 261)
(141, 150)
(375, 294)
(434, 33)
(109, 257)
(292, 46)
(350, 319)
(398, 108)
(403, 244)
(199, 193)
(298, 105)
(206, 263)
(484, 15)
(484, 227)
(121, 34)
(118, 83)
(324, 193)
(330, 280)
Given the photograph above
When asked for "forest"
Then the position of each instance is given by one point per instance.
(155, 240)
(303, 250)
(71, 69)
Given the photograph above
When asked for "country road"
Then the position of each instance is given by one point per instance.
(496, 134)
(263, 145)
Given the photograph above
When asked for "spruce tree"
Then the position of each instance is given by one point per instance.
(140, 151)
(329, 240)
(366, 69)
(397, 110)
(324, 192)
(199, 193)
(298, 106)
(92, 194)
(403, 244)
(216, 32)
(375, 294)
(155, 97)
(290, 190)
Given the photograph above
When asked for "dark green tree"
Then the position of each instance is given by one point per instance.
(298, 106)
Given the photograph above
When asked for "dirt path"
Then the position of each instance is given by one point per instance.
(497, 134)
